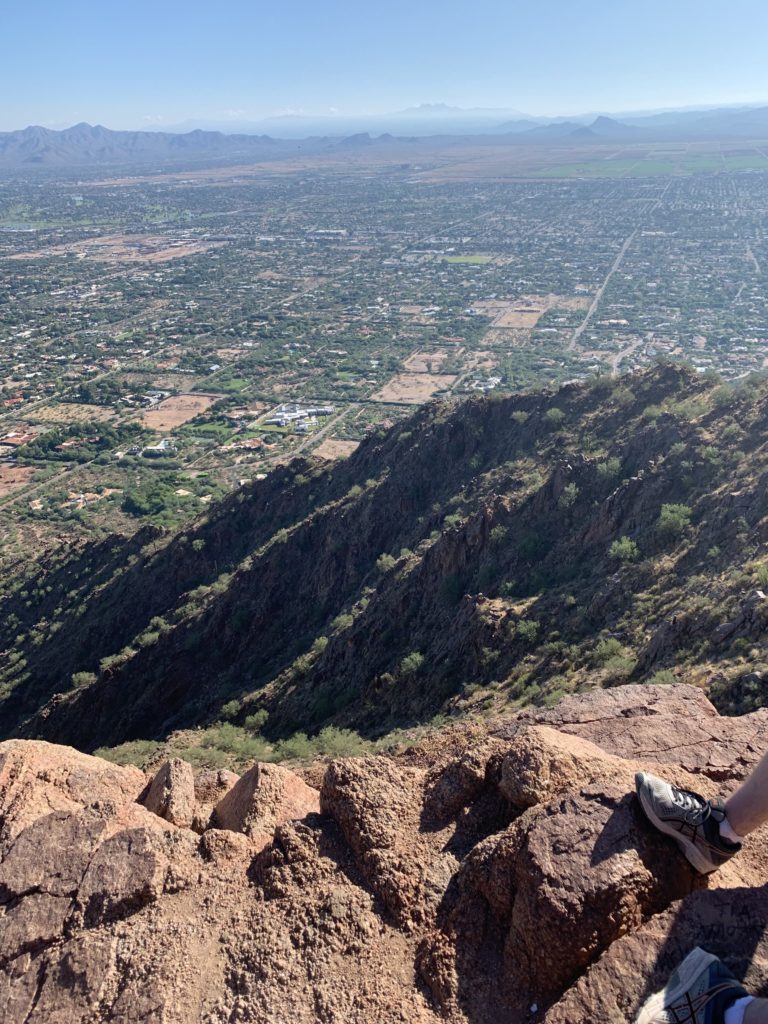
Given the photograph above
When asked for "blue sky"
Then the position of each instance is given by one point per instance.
(137, 63)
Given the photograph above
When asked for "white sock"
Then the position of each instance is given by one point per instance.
(735, 1014)
(727, 832)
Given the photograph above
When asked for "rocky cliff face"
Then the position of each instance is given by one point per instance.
(501, 873)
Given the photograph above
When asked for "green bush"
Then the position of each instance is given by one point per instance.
(619, 667)
(673, 521)
(665, 676)
(527, 630)
(411, 663)
(385, 562)
(82, 679)
(624, 550)
(554, 418)
(255, 723)
(610, 469)
(136, 752)
(605, 649)
(568, 496)
(231, 709)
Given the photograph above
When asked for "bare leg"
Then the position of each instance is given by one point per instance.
(747, 808)
(757, 1012)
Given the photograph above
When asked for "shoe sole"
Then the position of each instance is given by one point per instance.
(692, 853)
(688, 971)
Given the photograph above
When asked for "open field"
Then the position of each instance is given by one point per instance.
(13, 477)
(477, 261)
(525, 313)
(425, 362)
(69, 412)
(413, 388)
(335, 448)
(122, 249)
(172, 412)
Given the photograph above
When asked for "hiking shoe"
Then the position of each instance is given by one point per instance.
(699, 992)
(692, 821)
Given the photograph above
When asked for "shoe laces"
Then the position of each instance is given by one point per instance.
(695, 808)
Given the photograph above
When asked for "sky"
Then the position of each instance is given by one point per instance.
(156, 63)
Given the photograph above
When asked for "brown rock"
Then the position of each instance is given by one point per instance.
(264, 797)
(463, 882)
(37, 778)
(171, 794)
(211, 786)
(727, 922)
(666, 724)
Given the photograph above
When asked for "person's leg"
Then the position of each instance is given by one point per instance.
(700, 991)
(756, 1012)
(747, 808)
(695, 823)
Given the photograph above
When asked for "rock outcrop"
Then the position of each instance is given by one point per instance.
(502, 875)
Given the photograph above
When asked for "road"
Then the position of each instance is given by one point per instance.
(599, 293)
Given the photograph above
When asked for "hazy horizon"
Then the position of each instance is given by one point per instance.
(150, 67)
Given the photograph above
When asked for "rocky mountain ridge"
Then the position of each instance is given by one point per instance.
(496, 873)
(503, 551)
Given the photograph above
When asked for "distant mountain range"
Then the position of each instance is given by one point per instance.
(88, 145)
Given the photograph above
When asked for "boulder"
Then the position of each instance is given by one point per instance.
(509, 879)
(264, 797)
(171, 794)
(674, 725)
(37, 778)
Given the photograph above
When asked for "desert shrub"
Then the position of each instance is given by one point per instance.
(605, 649)
(554, 418)
(411, 663)
(231, 709)
(568, 496)
(527, 630)
(619, 667)
(81, 679)
(665, 676)
(333, 742)
(520, 417)
(610, 469)
(385, 562)
(624, 550)
(255, 723)
(673, 521)
(296, 748)
(136, 752)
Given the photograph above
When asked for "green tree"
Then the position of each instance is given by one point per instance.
(624, 550)
(673, 521)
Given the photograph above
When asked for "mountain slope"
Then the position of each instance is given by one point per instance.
(501, 550)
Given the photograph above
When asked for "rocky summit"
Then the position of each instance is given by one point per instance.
(496, 872)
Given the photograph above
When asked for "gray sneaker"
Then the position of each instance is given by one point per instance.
(692, 821)
(699, 992)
